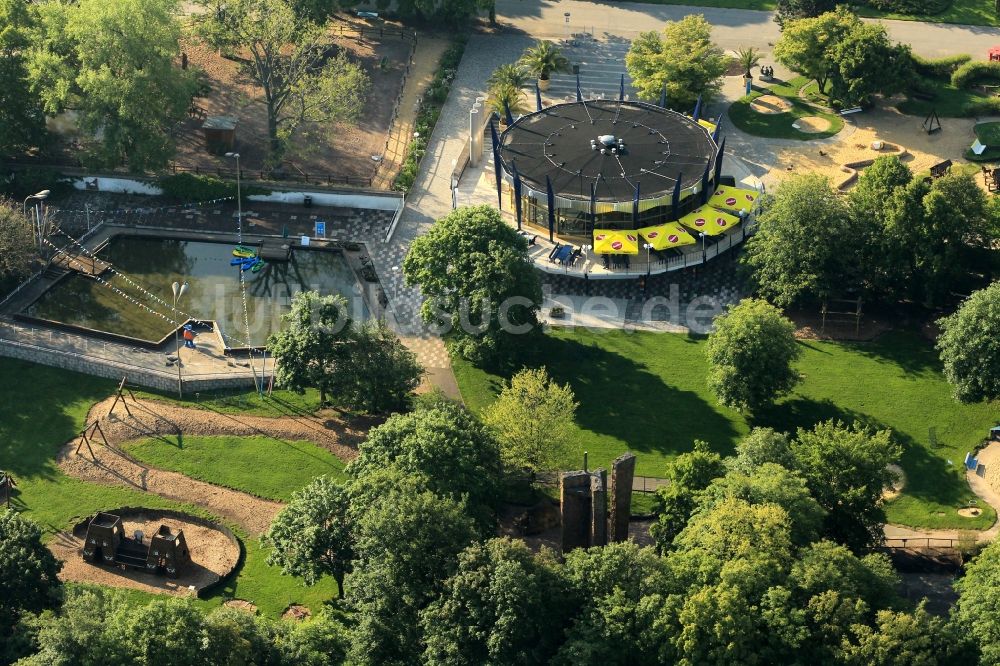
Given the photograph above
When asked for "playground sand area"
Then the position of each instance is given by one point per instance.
(213, 556)
(813, 124)
(770, 104)
(853, 144)
(111, 465)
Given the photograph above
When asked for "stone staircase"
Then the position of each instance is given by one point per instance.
(601, 65)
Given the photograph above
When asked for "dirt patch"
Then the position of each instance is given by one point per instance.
(770, 104)
(812, 124)
(897, 487)
(970, 512)
(213, 556)
(296, 612)
(343, 149)
(241, 604)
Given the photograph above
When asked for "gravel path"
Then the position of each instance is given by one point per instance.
(113, 466)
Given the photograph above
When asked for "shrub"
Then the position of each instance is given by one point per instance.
(972, 73)
(986, 106)
(25, 182)
(190, 187)
(912, 7)
(938, 68)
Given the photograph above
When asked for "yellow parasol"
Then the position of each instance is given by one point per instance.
(733, 198)
(609, 241)
(663, 236)
(707, 125)
(709, 221)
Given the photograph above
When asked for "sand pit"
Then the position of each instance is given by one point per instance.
(970, 512)
(213, 555)
(241, 604)
(296, 612)
(813, 124)
(770, 104)
(897, 487)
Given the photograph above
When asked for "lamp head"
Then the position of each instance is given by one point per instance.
(44, 194)
(234, 155)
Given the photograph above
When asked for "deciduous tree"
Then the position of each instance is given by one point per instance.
(22, 123)
(689, 475)
(806, 43)
(532, 419)
(307, 84)
(28, 570)
(805, 247)
(113, 63)
(751, 352)
(382, 373)
(865, 63)
(970, 346)
(478, 280)
(312, 536)
(17, 242)
(683, 58)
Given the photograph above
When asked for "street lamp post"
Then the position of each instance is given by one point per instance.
(178, 290)
(36, 226)
(239, 198)
(649, 248)
(704, 252)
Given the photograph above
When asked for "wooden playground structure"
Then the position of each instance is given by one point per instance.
(166, 552)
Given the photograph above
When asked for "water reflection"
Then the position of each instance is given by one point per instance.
(213, 292)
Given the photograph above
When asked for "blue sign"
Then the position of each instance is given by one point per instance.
(320, 231)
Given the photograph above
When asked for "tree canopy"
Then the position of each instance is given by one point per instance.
(308, 84)
(478, 281)
(22, 123)
(17, 241)
(970, 346)
(113, 63)
(750, 352)
(532, 419)
(28, 572)
(683, 58)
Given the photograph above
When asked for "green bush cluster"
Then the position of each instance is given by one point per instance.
(972, 73)
(430, 109)
(986, 106)
(912, 7)
(25, 182)
(191, 187)
(939, 68)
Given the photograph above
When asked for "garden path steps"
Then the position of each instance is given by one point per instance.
(152, 418)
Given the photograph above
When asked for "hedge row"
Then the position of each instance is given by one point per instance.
(912, 7)
(938, 68)
(191, 188)
(987, 106)
(972, 73)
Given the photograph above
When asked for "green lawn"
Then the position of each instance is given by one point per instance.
(779, 125)
(988, 135)
(41, 408)
(243, 401)
(262, 466)
(972, 12)
(949, 101)
(646, 393)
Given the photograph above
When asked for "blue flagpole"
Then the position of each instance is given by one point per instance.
(551, 201)
(663, 96)
(517, 194)
(579, 95)
(506, 110)
(538, 98)
(621, 89)
(715, 134)
(718, 161)
(496, 163)
(697, 109)
(677, 195)
(635, 207)
(704, 183)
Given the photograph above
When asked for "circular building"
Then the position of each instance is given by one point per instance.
(592, 171)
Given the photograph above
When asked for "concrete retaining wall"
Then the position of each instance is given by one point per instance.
(146, 377)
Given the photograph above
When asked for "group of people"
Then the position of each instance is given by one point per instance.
(767, 71)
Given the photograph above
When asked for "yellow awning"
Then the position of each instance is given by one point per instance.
(733, 198)
(609, 241)
(707, 125)
(709, 221)
(663, 236)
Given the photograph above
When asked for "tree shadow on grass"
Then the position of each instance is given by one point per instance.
(620, 398)
(908, 350)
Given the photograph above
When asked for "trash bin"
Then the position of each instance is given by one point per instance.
(307, 201)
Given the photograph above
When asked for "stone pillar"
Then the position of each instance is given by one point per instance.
(622, 474)
(574, 496)
(599, 508)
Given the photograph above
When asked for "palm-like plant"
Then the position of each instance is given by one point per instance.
(544, 59)
(748, 57)
(506, 96)
(513, 74)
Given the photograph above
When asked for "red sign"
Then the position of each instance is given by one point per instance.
(617, 245)
(720, 221)
(731, 201)
(700, 222)
(673, 238)
(653, 234)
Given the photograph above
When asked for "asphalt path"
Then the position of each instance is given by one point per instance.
(732, 28)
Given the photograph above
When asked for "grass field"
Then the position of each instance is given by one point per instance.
(779, 125)
(262, 466)
(243, 401)
(646, 393)
(971, 12)
(42, 408)
(949, 101)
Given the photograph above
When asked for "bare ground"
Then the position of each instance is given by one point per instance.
(213, 556)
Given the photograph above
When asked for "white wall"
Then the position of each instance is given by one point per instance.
(119, 185)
